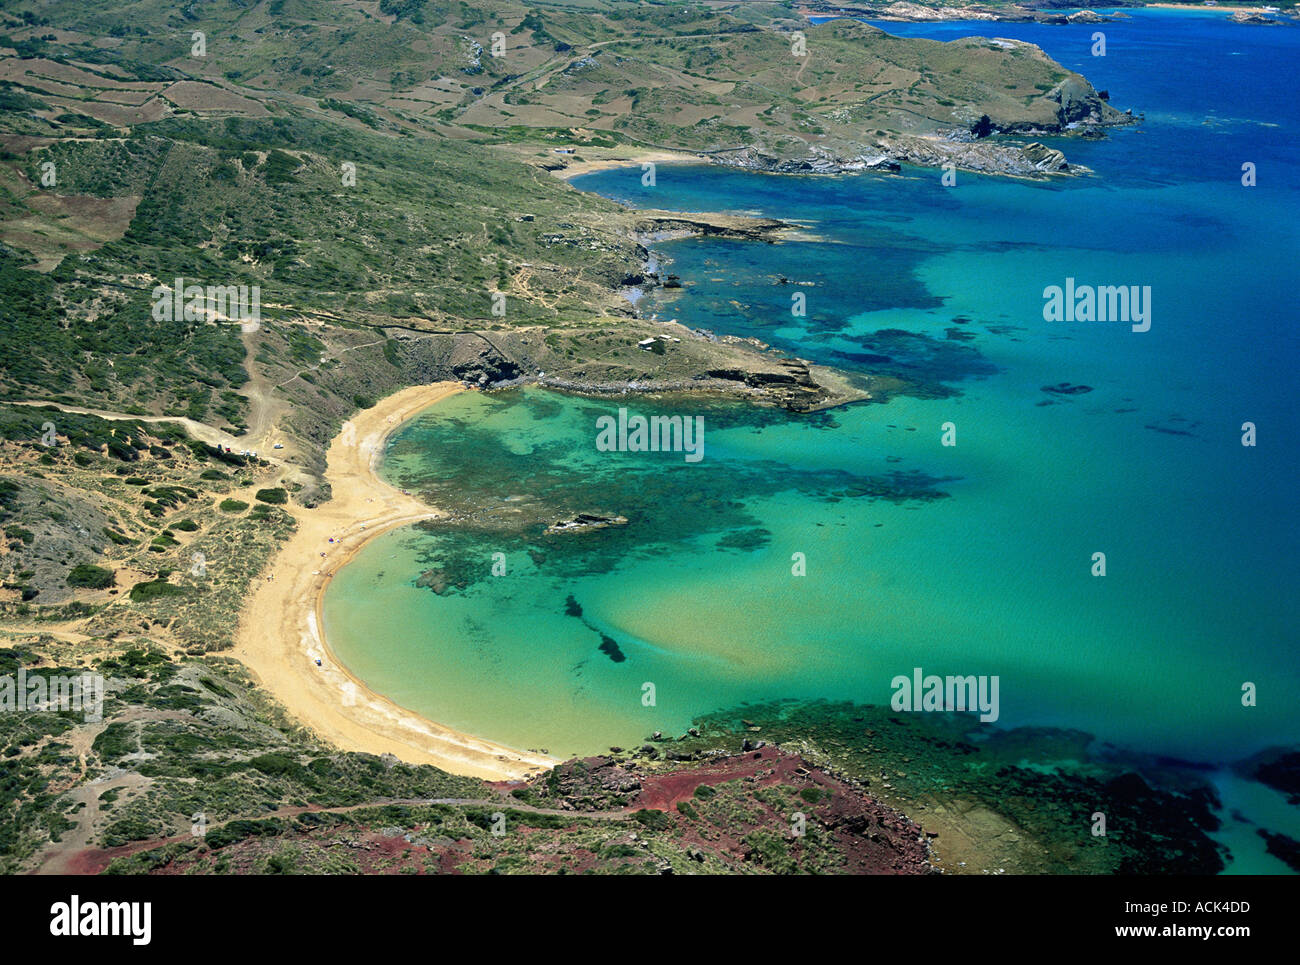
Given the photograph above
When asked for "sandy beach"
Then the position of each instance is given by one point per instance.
(280, 632)
(623, 157)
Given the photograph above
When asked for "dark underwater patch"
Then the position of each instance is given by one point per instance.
(746, 540)
(1066, 388)
(609, 647)
(926, 364)
(499, 499)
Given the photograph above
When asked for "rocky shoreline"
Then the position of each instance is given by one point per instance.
(1029, 160)
(1044, 11)
(654, 225)
(1073, 107)
(685, 359)
(782, 388)
(919, 13)
(974, 141)
(988, 145)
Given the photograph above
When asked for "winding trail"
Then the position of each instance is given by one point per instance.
(199, 430)
(76, 857)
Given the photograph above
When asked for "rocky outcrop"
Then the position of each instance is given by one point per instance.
(817, 161)
(790, 385)
(471, 357)
(669, 225)
(985, 156)
(917, 13)
(790, 372)
(584, 522)
(1045, 159)
(1241, 16)
(1073, 106)
(1079, 104)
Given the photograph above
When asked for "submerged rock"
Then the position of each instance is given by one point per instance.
(609, 647)
(585, 521)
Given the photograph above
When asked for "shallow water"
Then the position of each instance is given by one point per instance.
(969, 559)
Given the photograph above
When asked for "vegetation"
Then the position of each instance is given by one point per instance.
(90, 576)
(377, 180)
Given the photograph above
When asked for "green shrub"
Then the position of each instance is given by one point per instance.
(215, 687)
(275, 764)
(153, 589)
(114, 741)
(239, 830)
(233, 506)
(277, 496)
(91, 577)
(620, 851)
(129, 829)
(655, 820)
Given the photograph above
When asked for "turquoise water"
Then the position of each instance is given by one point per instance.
(970, 559)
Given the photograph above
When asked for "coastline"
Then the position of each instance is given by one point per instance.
(1229, 8)
(281, 631)
(918, 13)
(624, 156)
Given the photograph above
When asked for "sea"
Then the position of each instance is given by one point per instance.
(1069, 507)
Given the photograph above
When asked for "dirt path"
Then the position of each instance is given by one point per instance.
(76, 858)
(199, 430)
(63, 856)
(804, 61)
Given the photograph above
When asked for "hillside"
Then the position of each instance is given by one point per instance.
(716, 79)
(386, 187)
(381, 179)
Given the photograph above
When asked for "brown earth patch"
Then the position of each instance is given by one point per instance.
(194, 95)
